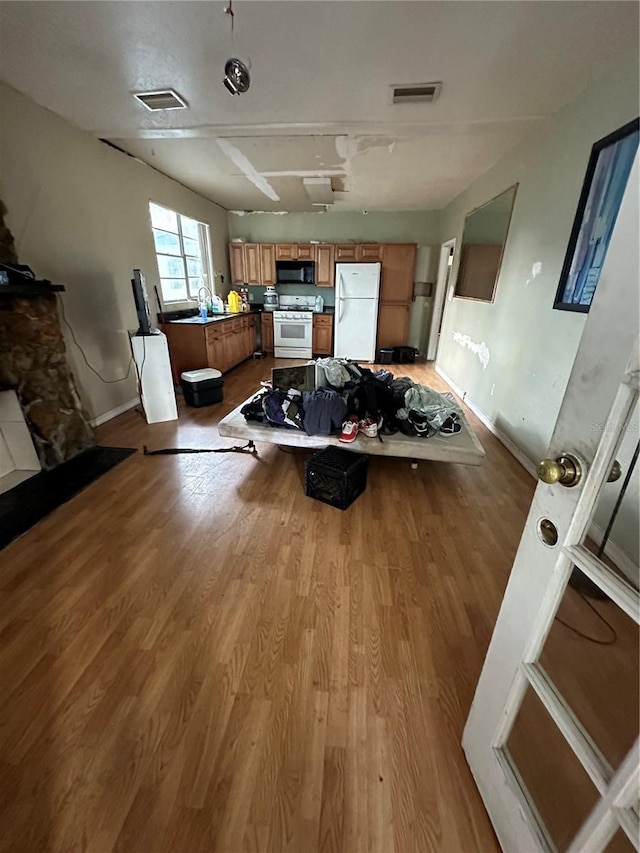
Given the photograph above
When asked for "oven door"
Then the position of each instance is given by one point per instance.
(293, 334)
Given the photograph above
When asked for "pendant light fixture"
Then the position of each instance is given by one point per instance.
(236, 74)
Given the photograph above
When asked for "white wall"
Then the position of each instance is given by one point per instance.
(78, 211)
(531, 346)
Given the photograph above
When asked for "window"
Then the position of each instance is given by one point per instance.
(182, 249)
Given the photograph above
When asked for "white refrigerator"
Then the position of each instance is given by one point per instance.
(356, 311)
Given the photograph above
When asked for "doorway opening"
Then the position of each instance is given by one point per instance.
(443, 292)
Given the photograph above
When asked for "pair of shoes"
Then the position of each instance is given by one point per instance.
(451, 426)
(369, 428)
(349, 430)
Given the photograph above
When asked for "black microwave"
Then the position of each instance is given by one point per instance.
(295, 272)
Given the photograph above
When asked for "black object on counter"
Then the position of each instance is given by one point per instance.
(404, 355)
(202, 387)
(335, 476)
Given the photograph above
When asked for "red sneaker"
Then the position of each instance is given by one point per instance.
(349, 431)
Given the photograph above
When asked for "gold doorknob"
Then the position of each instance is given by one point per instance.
(566, 470)
(615, 473)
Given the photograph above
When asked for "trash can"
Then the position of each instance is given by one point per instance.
(386, 356)
(202, 387)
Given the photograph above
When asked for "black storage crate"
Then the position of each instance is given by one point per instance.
(404, 355)
(386, 356)
(335, 476)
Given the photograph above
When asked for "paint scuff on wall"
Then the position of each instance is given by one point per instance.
(479, 349)
(536, 269)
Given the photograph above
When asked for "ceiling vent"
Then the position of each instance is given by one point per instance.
(166, 99)
(415, 93)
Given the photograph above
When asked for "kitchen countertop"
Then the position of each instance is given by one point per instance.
(216, 318)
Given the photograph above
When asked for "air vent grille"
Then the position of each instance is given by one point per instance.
(415, 93)
(166, 99)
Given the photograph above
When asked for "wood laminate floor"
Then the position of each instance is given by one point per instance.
(194, 656)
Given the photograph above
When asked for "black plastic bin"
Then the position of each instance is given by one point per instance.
(335, 476)
(386, 356)
(404, 355)
(202, 387)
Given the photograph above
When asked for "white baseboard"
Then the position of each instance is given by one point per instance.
(613, 551)
(513, 449)
(113, 413)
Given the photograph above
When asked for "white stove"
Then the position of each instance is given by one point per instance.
(293, 328)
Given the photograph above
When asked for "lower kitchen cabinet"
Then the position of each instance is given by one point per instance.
(222, 344)
(322, 334)
(393, 325)
(266, 321)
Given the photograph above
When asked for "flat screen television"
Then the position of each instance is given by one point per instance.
(142, 303)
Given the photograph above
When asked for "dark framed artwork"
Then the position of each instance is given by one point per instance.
(604, 185)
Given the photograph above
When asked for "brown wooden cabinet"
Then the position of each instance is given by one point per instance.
(398, 263)
(322, 334)
(252, 263)
(325, 265)
(305, 251)
(286, 251)
(267, 263)
(370, 252)
(266, 320)
(236, 262)
(222, 344)
(346, 252)
(393, 325)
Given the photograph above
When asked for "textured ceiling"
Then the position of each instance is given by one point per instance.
(319, 101)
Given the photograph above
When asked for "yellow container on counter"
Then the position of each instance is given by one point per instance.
(235, 303)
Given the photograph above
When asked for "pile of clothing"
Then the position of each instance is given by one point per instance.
(356, 400)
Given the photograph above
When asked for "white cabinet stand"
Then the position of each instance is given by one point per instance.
(151, 355)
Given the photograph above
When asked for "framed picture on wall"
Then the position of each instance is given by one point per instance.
(604, 184)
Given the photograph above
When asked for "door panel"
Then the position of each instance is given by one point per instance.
(393, 326)
(398, 264)
(356, 329)
(252, 263)
(286, 252)
(534, 734)
(602, 390)
(236, 262)
(267, 263)
(305, 252)
(325, 266)
(347, 252)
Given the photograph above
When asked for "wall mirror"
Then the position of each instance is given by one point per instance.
(483, 239)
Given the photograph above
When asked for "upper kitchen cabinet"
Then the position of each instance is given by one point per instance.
(286, 251)
(398, 263)
(244, 261)
(252, 263)
(295, 252)
(236, 262)
(370, 252)
(268, 263)
(325, 265)
(305, 252)
(346, 252)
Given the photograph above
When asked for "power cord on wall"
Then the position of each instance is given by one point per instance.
(82, 353)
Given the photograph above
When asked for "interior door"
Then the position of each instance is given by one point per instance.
(552, 735)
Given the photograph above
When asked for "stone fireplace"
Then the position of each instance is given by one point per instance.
(33, 364)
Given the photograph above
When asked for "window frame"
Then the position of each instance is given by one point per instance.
(205, 257)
